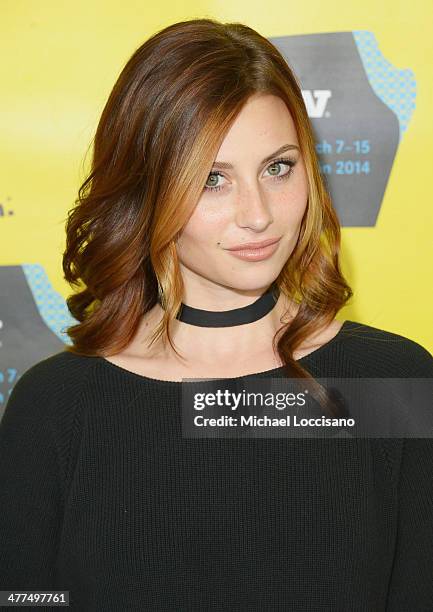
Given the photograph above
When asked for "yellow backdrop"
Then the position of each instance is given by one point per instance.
(59, 63)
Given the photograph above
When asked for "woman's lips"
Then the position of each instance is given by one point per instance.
(257, 254)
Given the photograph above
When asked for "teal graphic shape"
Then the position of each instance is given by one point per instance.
(396, 88)
(50, 304)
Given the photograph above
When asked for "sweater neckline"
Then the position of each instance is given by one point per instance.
(265, 373)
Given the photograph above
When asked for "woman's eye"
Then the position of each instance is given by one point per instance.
(276, 168)
(213, 177)
(278, 165)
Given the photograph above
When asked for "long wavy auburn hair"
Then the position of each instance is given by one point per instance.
(157, 138)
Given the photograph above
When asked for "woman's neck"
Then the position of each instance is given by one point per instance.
(206, 344)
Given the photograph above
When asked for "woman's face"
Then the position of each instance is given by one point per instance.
(251, 201)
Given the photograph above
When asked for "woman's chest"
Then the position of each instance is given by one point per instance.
(299, 512)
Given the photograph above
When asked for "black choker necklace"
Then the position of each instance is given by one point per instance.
(229, 318)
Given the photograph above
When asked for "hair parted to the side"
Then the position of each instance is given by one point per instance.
(154, 146)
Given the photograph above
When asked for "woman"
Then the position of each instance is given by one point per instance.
(204, 147)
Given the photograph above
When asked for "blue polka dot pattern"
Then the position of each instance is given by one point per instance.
(51, 306)
(396, 88)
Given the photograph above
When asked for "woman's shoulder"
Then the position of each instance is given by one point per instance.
(43, 420)
(55, 380)
(385, 352)
(58, 368)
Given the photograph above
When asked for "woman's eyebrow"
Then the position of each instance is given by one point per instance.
(227, 166)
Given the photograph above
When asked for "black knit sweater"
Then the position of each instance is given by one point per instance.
(101, 495)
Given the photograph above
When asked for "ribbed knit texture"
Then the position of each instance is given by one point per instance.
(102, 496)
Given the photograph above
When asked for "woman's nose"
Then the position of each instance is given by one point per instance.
(252, 209)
